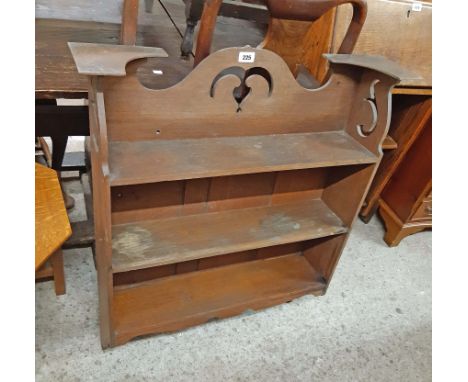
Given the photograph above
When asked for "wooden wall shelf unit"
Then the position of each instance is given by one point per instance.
(207, 204)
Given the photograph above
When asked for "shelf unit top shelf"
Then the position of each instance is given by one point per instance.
(137, 162)
(196, 297)
(150, 243)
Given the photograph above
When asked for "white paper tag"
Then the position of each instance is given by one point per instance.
(247, 57)
(416, 7)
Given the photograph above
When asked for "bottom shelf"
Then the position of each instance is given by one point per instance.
(180, 301)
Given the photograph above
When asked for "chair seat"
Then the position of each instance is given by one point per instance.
(52, 224)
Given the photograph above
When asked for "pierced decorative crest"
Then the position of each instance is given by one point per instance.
(242, 82)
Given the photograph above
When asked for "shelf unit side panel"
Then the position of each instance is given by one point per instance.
(101, 210)
(344, 196)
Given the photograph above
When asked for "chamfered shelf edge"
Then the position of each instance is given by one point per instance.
(151, 243)
(197, 297)
(137, 162)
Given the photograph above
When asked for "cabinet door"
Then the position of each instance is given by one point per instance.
(399, 30)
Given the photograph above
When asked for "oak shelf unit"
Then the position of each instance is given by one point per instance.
(207, 205)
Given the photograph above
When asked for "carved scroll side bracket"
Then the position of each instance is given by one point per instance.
(370, 115)
(369, 107)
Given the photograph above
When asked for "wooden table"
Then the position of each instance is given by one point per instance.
(57, 77)
(52, 227)
(56, 74)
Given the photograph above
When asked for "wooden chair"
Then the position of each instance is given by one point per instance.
(52, 228)
(243, 9)
(293, 31)
(129, 24)
(281, 37)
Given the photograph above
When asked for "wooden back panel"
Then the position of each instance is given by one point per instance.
(356, 98)
(276, 103)
(225, 96)
(193, 196)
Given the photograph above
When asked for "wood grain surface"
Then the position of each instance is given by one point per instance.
(167, 241)
(52, 224)
(393, 30)
(134, 162)
(56, 73)
(107, 59)
(410, 116)
(172, 303)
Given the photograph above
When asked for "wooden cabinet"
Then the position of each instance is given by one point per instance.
(399, 30)
(410, 115)
(208, 201)
(406, 203)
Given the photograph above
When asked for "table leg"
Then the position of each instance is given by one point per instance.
(59, 144)
(56, 261)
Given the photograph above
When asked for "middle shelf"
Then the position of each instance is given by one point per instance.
(136, 162)
(151, 243)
